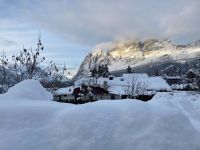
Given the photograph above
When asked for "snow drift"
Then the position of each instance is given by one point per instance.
(169, 121)
(28, 89)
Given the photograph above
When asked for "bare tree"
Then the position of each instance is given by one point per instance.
(30, 64)
(134, 87)
(141, 88)
(27, 63)
(55, 77)
(3, 72)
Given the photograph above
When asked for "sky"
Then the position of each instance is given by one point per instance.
(70, 29)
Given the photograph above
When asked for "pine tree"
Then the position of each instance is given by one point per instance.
(100, 71)
(129, 70)
(94, 72)
(106, 71)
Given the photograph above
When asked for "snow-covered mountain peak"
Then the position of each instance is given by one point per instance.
(137, 53)
(98, 52)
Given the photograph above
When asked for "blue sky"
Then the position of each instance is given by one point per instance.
(72, 28)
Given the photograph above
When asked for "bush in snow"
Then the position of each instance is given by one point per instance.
(134, 87)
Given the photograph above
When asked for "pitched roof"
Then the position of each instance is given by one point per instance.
(67, 90)
(118, 84)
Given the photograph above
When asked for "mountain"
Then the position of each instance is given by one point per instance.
(139, 54)
(70, 73)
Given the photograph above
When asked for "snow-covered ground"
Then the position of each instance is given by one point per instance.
(71, 72)
(28, 122)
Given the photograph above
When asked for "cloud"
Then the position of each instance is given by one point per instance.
(184, 23)
(91, 22)
(13, 35)
(6, 42)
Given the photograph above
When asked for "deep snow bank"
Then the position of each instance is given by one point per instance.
(28, 89)
(169, 121)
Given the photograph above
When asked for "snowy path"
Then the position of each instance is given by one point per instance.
(190, 110)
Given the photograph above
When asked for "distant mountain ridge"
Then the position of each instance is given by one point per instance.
(136, 53)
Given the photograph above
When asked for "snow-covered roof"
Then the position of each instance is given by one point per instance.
(67, 90)
(119, 84)
(178, 86)
(116, 81)
(119, 90)
(172, 77)
(136, 75)
(156, 83)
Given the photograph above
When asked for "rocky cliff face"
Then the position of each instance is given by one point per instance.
(137, 53)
